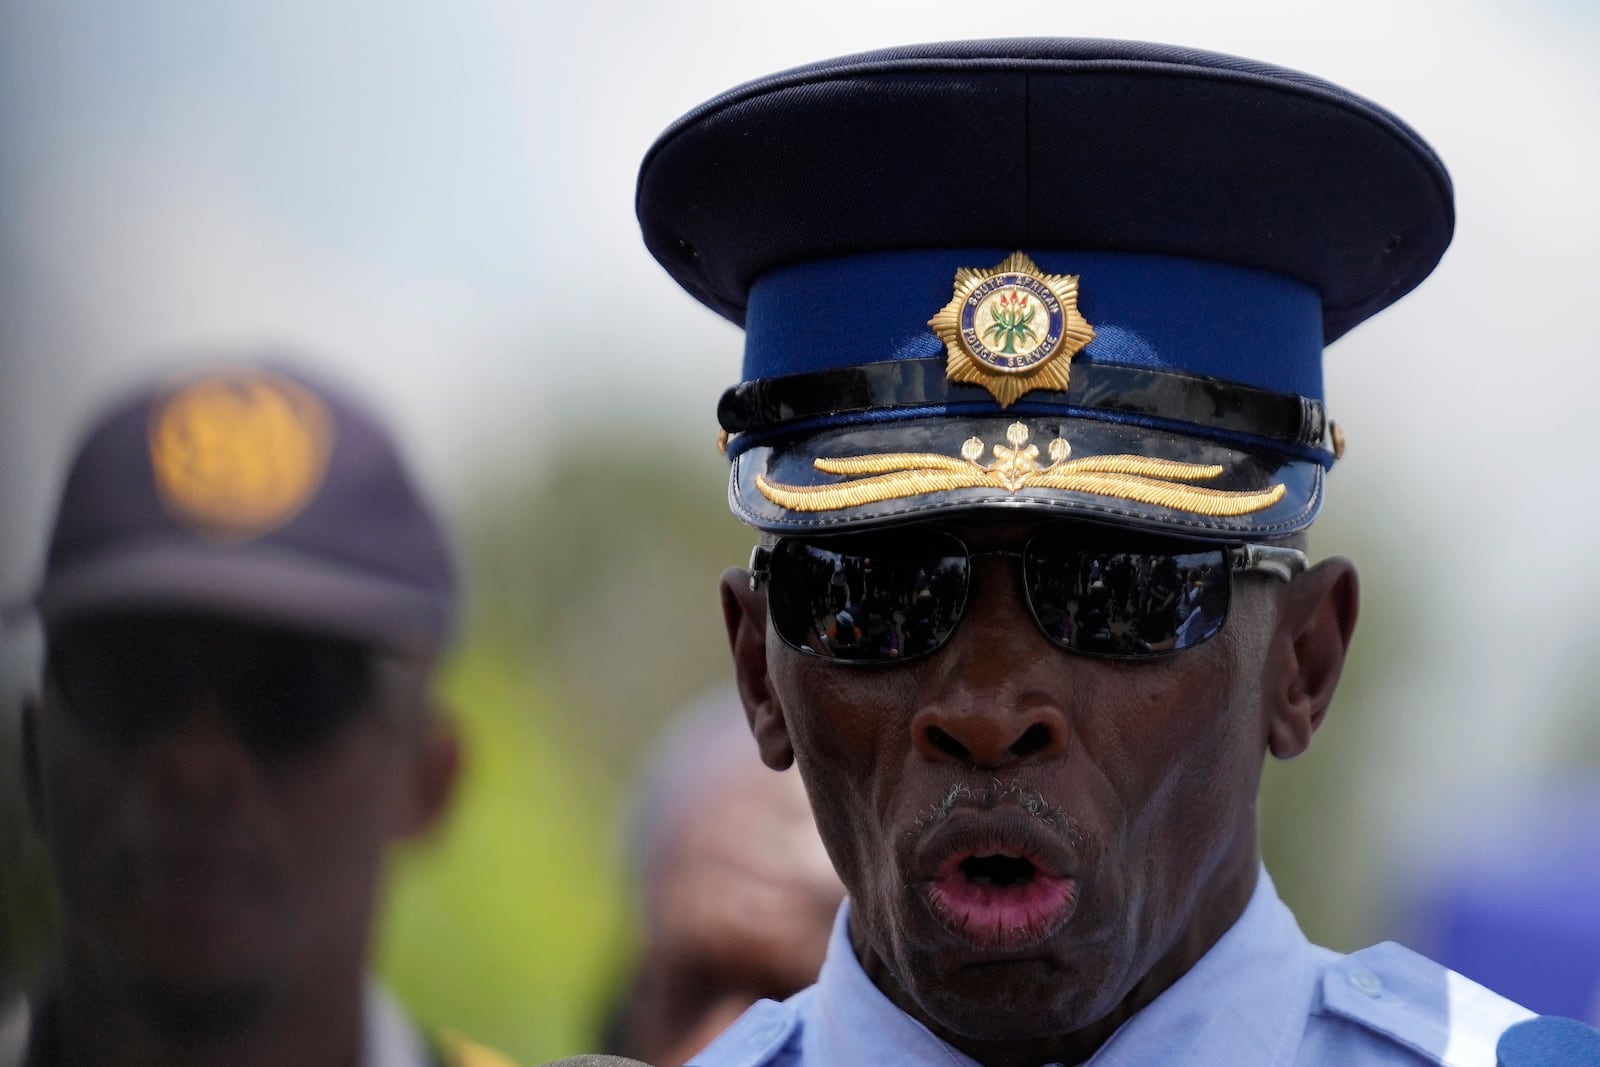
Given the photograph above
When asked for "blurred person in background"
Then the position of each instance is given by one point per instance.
(244, 601)
(736, 893)
(1049, 832)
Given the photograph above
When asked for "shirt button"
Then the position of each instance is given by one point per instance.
(1367, 982)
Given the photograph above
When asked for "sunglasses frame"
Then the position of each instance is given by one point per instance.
(1274, 561)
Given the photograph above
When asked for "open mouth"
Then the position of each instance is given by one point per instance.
(1000, 897)
(1001, 871)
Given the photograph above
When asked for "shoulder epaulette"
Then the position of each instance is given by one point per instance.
(1427, 1008)
(755, 1039)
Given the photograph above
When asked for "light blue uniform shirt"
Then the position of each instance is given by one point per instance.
(1263, 995)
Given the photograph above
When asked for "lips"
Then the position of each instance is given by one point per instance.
(997, 879)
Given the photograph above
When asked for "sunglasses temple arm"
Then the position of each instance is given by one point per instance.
(1275, 560)
(760, 566)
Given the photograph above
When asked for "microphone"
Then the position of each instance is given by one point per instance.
(594, 1059)
(1548, 1041)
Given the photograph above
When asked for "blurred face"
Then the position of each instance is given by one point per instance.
(216, 799)
(741, 907)
(1035, 842)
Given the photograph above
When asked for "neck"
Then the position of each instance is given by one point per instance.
(1221, 904)
(135, 1021)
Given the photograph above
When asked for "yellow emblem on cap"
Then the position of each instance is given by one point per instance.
(895, 475)
(239, 453)
(1012, 329)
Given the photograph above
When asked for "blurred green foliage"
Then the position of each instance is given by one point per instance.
(506, 926)
(600, 578)
(1317, 812)
(593, 617)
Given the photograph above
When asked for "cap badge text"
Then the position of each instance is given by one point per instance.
(236, 455)
(1012, 329)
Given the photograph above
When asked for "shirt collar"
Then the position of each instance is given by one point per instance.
(387, 1037)
(1242, 1005)
(856, 1023)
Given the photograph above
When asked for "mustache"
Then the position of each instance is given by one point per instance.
(991, 795)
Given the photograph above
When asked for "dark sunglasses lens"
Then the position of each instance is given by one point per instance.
(281, 693)
(868, 599)
(294, 698)
(125, 690)
(1124, 603)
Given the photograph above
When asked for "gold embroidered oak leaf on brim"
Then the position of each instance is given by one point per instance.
(896, 475)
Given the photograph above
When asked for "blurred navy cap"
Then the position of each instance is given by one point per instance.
(1091, 277)
(249, 492)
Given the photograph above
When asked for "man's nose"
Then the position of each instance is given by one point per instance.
(990, 737)
(202, 757)
(993, 699)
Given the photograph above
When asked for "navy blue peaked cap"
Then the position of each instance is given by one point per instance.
(250, 492)
(1126, 257)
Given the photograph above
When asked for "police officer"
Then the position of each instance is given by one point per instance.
(243, 603)
(1032, 394)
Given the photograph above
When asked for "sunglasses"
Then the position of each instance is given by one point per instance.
(282, 693)
(894, 595)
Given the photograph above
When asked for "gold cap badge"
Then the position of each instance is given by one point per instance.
(1012, 329)
(238, 454)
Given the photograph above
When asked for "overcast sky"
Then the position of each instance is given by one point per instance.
(425, 193)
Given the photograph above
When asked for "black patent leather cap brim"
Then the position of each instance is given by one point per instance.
(1060, 144)
(783, 465)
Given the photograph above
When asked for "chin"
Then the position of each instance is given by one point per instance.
(1015, 1001)
(197, 1011)
(977, 1017)
(208, 948)
(200, 968)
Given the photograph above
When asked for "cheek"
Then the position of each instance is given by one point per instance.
(847, 727)
(1198, 750)
(340, 808)
(1173, 736)
(1186, 774)
(86, 798)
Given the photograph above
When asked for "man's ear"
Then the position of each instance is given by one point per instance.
(1315, 622)
(32, 776)
(435, 772)
(745, 612)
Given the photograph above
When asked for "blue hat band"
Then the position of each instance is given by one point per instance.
(761, 410)
(1155, 312)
